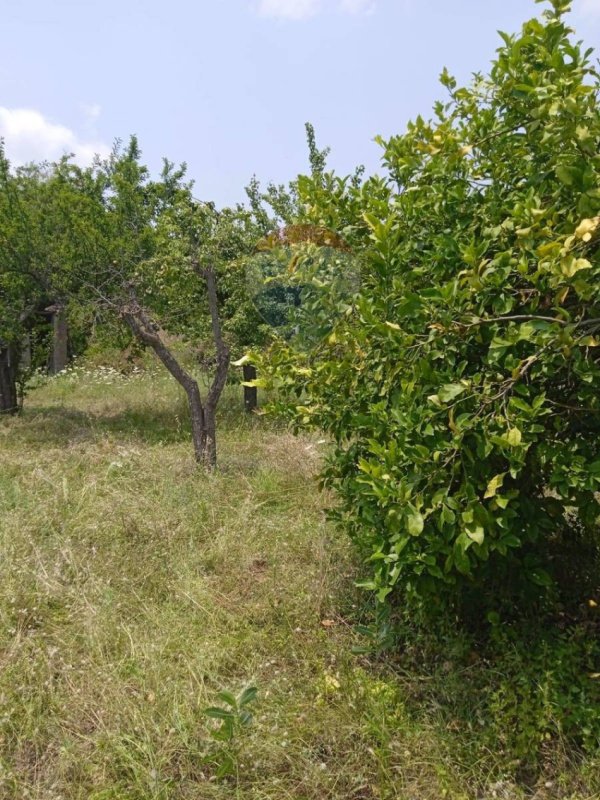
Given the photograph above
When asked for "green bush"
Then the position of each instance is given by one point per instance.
(460, 382)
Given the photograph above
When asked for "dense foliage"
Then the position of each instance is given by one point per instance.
(461, 381)
(116, 250)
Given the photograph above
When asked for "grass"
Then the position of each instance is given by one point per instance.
(136, 588)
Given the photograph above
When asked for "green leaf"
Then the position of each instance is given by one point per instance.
(245, 718)
(540, 577)
(567, 175)
(248, 696)
(228, 697)
(450, 391)
(218, 713)
(415, 522)
(383, 593)
(571, 266)
(226, 766)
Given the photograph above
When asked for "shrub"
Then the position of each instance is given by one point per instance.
(460, 382)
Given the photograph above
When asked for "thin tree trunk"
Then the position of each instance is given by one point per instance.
(222, 366)
(143, 328)
(204, 428)
(60, 340)
(9, 359)
(210, 449)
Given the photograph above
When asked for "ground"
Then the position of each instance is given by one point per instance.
(135, 588)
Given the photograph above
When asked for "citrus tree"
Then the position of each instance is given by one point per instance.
(460, 381)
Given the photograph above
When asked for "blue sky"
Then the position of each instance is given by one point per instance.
(227, 85)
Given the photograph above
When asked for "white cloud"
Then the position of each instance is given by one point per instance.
(29, 136)
(304, 9)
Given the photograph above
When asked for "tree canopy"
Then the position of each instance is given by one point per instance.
(460, 381)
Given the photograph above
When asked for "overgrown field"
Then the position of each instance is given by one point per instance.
(135, 588)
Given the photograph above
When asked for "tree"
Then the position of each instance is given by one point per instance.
(43, 211)
(172, 265)
(461, 381)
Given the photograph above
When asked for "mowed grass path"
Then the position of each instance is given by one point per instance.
(135, 588)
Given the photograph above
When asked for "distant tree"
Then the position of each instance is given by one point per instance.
(174, 267)
(44, 245)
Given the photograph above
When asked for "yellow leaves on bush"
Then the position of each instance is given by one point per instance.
(494, 485)
(514, 437)
(570, 265)
(586, 228)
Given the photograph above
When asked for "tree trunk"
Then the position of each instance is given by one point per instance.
(204, 428)
(144, 329)
(198, 419)
(250, 392)
(60, 341)
(9, 359)
(210, 444)
(222, 367)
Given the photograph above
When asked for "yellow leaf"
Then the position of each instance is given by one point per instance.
(494, 485)
(562, 295)
(571, 265)
(586, 227)
(514, 437)
(451, 423)
(476, 534)
(394, 326)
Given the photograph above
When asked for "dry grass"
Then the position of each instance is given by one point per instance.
(135, 588)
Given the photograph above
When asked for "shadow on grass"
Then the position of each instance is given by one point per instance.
(61, 426)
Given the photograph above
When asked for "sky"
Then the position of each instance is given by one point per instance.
(227, 85)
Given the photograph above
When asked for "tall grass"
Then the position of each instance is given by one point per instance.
(135, 588)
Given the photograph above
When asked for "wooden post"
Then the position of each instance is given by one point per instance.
(8, 378)
(60, 339)
(250, 392)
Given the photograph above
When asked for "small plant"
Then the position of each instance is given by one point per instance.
(234, 716)
(380, 635)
